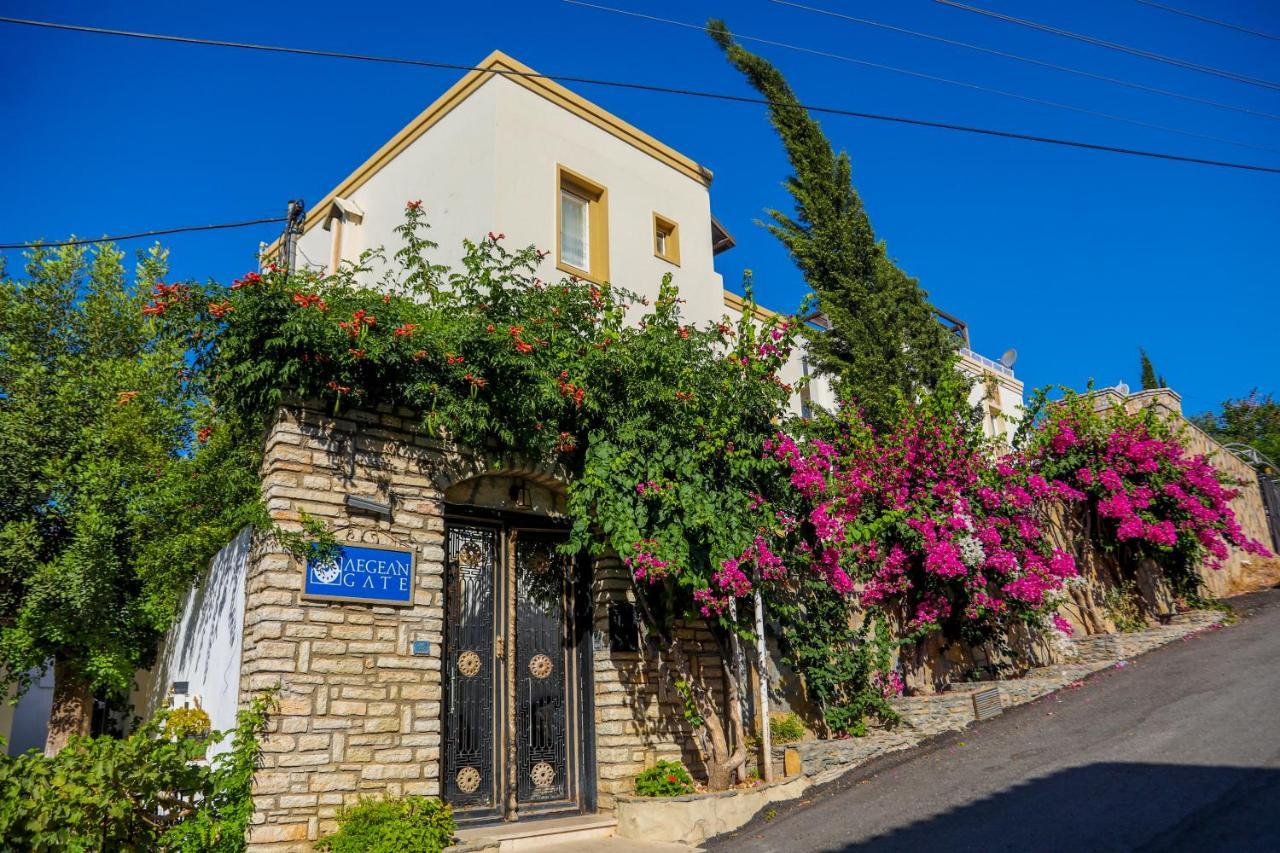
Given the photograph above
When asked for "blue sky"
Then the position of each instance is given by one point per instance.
(1074, 258)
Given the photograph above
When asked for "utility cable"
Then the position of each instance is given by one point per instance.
(1029, 60)
(1110, 45)
(648, 87)
(934, 78)
(121, 237)
(1184, 13)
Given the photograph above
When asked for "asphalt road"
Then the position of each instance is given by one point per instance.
(1179, 750)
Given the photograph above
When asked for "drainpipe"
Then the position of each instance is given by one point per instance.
(766, 737)
(335, 247)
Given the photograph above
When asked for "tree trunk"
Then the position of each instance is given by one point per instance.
(721, 763)
(72, 710)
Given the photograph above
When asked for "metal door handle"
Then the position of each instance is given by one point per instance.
(499, 648)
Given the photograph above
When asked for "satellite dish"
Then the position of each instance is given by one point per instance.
(1009, 357)
(1123, 388)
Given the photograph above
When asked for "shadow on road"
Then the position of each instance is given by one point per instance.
(1098, 807)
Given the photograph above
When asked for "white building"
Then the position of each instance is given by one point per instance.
(507, 151)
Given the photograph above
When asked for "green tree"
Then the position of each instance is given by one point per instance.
(116, 484)
(1253, 420)
(1150, 380)
(884, 344)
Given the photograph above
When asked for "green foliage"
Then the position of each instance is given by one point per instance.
(144, 792)
(492, 356)
(836, 659)
(1150, 380)
(1253, 420)
(117, 482)
(884, 344)
(786, 728)
(1122, 605)
(664, 779)
(403, 825)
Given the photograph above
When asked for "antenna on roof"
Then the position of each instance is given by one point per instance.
(1009, 357)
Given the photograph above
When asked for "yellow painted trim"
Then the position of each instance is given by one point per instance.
(597, 196)
(735, 303)
(662, 224)
(465, 87)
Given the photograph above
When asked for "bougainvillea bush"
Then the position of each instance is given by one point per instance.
(660, 425)
(923, 526)
(1138, 491)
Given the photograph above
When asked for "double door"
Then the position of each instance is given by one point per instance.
(514, 667)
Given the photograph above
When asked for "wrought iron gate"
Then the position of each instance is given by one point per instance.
(513, 705)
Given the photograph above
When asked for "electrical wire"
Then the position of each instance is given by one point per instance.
(1207, 20)
(121, 237)
(1030, 60)
(648, 87)
(934, 78)
(1110, 45)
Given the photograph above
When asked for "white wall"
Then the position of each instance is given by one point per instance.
(451, 168)
(203, 647)
(490, 164)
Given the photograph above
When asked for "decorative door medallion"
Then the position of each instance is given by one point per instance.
(511, 686)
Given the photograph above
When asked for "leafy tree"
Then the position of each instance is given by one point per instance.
(1253, 420)
(1150, 380)
(116, 483)
(884, 344)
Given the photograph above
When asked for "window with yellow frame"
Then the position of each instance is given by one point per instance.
(666, 239)
(582, 226)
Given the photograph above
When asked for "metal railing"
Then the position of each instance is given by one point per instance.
(986, 362)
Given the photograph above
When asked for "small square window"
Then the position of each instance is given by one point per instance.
(666, 239)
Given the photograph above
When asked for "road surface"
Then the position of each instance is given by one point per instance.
(1179, 750)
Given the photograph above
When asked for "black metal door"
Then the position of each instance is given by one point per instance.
(472, 566)
(542, 664)
(513, 657)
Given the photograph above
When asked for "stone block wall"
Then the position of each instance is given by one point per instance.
(639, 716)
(359, 715)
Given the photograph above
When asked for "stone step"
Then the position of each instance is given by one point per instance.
(538, 834)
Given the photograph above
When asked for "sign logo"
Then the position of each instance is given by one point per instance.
(358, 573)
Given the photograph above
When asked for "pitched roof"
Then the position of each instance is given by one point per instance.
(495, 64)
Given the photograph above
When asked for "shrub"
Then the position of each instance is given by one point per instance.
(187, 722)
(664, 779)
(786, 728)
(142, 792)
(401, 825)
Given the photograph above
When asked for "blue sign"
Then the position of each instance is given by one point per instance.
(375, 575)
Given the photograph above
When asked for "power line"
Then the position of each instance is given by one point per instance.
(933, 78)
(1030, 60)
(141, 234)
(1208, 20)
(1133, 51)
(648, 87)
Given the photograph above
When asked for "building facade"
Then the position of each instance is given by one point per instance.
(450, 650)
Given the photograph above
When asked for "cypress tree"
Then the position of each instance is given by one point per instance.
(884, 344)
(1149, 379)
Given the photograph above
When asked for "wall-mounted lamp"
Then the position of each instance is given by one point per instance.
(519, 495)
(368, 505)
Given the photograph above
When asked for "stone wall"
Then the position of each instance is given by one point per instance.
(359, 715)
(639, 717)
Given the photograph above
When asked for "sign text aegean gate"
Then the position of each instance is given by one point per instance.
(357, 573)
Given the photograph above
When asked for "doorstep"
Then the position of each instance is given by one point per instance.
(546, 834)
